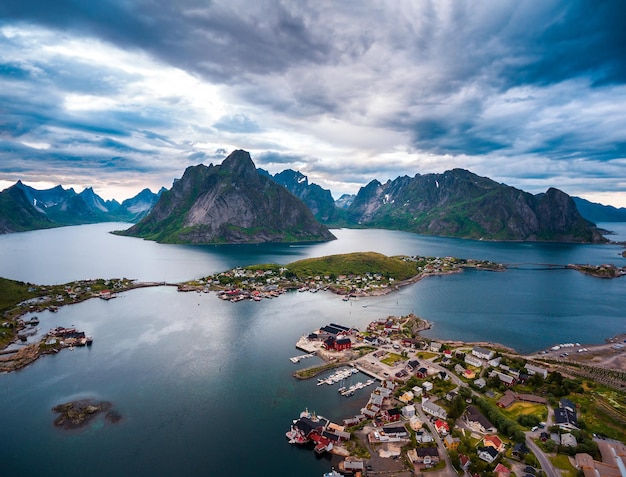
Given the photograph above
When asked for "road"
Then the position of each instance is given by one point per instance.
(545, 463)
(449, 470)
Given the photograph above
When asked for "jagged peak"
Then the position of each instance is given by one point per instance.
(239, 161)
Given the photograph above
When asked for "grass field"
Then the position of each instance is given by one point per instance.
(392, 358)
(426, 355)
(562, 463)
(520, 408)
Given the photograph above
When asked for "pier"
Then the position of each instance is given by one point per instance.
(296, 359)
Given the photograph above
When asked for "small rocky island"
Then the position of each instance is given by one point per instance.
(77, 414)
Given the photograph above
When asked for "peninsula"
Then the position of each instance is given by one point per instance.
(444, 405)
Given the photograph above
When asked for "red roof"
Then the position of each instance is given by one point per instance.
(502, 469)
(439, 424)
(493, 441)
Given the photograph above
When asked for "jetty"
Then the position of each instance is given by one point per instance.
(297, 359)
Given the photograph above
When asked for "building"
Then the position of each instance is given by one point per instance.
(421, 373)
(482, 353)
(337, 343)
(451, 443)
(480, 383)
(473, 360)
(510, 397)
(501, 470)
(435, 347)
(488, 454)
(532, 369)
(424, 455)
(464, 462)
(393, 414)
(417, 391)
(504, 378)
(408, 411)
(412, 365)
(565, 418)
(442, 427)
(476, 421)
(433, 409)
(469, 374)
(407, 397)
(427, 385)
(423, 437)
(493, 441)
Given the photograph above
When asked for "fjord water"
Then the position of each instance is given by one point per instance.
(205, 386)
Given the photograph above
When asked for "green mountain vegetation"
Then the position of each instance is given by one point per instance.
(461, 204)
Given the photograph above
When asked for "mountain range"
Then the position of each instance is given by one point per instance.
(25, 208)
(229, 203)
(236, 203)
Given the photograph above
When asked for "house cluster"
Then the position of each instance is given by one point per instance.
(317, 429)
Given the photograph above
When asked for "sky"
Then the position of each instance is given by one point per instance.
(125, 94)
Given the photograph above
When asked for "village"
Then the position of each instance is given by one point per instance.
(270, 281)
(451, 409)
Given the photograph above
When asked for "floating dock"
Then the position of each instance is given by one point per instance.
(297, 359)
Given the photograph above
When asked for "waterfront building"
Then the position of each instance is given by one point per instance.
(482, 353)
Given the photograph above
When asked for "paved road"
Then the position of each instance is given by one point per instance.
(545, 463)
(449, 470)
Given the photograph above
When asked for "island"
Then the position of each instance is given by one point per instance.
(350, 275)
(77, 414)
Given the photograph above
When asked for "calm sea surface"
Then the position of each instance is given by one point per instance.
(205, 387)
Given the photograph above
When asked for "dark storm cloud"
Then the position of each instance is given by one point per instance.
(490, 80)
(220, 41)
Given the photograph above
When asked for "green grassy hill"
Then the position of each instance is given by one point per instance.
(357, 263)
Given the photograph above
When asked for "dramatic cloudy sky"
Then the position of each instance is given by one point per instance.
(124, 94)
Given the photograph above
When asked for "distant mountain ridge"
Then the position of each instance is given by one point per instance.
(458, 203)
(455, 203)
(598, 212)
(229, 203)
(25, 208)
(320, 201)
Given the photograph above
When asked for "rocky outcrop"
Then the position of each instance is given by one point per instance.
(229, 203)
(459, 203)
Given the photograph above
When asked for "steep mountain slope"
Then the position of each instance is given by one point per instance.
(229, 203)
(459, 203)
(598, 212)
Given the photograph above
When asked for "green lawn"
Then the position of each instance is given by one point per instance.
(562, 463)
(392, 358)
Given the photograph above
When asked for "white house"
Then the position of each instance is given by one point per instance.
(532, 369)
(427, 385)
(433, 409)
(408, 411)
(482, 353)
(473, 360)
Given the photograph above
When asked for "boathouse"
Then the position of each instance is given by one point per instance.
(337, 344)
